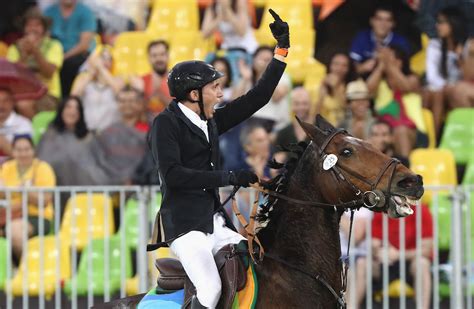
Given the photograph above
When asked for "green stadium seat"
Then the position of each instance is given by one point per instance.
(40, 124)
(468, 178)
(97, 255)
(3, 262)
(444, 220)
(132, 218)
(458, 134)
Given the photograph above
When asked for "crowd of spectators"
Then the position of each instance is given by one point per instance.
(99, 134)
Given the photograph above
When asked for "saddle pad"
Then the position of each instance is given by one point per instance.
(172, 300)
(246, 298)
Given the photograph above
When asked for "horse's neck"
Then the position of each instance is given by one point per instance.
(305, 232)
(308, 238)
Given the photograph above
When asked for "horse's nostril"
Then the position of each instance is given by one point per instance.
(410, 182)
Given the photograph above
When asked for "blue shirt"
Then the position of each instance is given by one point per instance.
(68, 30)
(363, 45)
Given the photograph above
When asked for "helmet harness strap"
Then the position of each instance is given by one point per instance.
(200, 103)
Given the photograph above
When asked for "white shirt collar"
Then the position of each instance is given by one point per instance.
(194, 118)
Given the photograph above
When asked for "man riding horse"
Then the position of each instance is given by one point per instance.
(185, 146)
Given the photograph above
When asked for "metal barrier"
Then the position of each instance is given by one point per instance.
(459, 270)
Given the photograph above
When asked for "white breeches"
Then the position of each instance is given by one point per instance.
(196, 252)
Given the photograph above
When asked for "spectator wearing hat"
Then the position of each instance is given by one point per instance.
(359, 116)
(42, 55)
(74, 25)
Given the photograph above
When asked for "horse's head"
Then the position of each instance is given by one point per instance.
(351, 169)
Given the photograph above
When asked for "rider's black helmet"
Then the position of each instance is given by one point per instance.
(190, 75)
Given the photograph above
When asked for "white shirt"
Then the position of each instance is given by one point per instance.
(278, 111)
(360, 249)
(15, 125)
(435, 80)
(195, 119)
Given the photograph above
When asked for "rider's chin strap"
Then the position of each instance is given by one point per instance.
(200, 102)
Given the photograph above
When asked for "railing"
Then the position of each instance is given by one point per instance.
(135, 207)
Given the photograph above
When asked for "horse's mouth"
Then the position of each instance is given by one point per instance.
(401, 205)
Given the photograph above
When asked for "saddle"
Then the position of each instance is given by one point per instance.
(231, 268)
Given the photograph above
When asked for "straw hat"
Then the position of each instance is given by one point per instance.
(357, 90)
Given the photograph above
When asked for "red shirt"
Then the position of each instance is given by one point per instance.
(410, 228)
(142, 126)
(154, 105)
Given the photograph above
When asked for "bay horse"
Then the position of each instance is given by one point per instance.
(299, 231)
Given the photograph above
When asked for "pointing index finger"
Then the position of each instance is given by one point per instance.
(275, 15)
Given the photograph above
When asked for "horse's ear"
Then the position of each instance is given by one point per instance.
(314, 133)
(323, 124)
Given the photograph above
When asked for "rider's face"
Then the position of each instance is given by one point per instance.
(211, 95)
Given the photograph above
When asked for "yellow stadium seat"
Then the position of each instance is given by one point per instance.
(300, 59)
(87, 214)
(418, 60)
(130, 53)
(313, 81)
(394, 290)
(430, 129)
(31, 267)
(188, 46)
(297, 13)
(437, 167)
(169, 16)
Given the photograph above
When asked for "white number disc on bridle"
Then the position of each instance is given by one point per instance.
(329, 161)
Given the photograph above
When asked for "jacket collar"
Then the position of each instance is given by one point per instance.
(174, 108)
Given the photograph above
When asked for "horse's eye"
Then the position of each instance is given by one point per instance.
(346, 152)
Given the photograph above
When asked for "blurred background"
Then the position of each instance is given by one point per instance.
(82, 80)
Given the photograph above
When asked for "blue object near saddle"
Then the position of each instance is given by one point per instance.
(173, 300)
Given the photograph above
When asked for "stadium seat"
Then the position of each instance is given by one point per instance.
(85, 216)
(418, 60)
(430, 129)
(3, 262)
(98, 255)
(30, 267)
(132, 284)
(188, 46)
(131, 218)
(458, 134)
(437, 167)
(300, 61)
(297, 13)
(313, 80)
(170, 16)
(40, 124)
(444, 219)
(130, 53)
(468, 178)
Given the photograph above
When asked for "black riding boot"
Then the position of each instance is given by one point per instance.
(195, 304)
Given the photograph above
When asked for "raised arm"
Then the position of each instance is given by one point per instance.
(243, 107)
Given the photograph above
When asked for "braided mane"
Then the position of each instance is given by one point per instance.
(280, 182)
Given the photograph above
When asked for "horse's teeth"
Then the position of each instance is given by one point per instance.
(397, 199)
